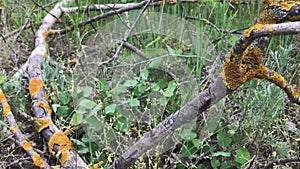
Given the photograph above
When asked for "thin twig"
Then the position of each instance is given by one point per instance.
(282, 161)
(127, 34)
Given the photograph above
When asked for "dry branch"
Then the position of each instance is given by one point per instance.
(126, 36)
(59, 144)
(19, 137)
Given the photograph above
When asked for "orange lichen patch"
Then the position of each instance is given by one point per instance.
(286, 5)
(45, 106)
(12, 130)
(295, 94)
(272, 76)
(267, 17)
(233, 74)
(26, 145)
(236, 74)
(271, 30)
(68, 131)
(44, 34)
(97, 165)
(2, 97)
(64, 143)
(51, 32)
(37, 160)
(253, 56)
(42, 123)
(35, 85)
(64, 157)
(6, 109)
(257, 27)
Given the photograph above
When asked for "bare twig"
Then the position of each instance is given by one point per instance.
(134, 49)
(127, 34)
(282, 162)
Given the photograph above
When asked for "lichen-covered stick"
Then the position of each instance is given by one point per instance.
(59, 144)
(19, 137)
(244, 61)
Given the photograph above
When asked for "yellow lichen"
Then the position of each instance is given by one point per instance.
(44, 34)
(26, 145)
(257, 27)
(64, 157)
(68, 131)
(35, 85)
(45, 106)
(236, 74)
(295, 94)
(6, 109)
(286, 5)
(37, 160)
(2, 97)
(274, 77)
(64, 143)
(51, 32)
(12, 130)
(97, 165)
(42, 123)
(271, 30)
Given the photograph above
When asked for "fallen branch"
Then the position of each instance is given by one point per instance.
(282, 162)
(59, 144)
(126, 36)
(19, 137)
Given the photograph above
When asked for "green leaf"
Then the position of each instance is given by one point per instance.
(121, 124)
(242, 156)
(76, 119)
(144, 74)
(110, 109)
(155, 87)
(224, 139)
(188, 149)
(226, 164)
(142, 88)
(163, 101)
(3, 79)
(155, 64)
(221, 153)
(170, 90)
(63, 111)
(131, 83)
(94, 123)
(64, 98)
(201, 166)
(215, 163)
(188, 134)
(88, 104)
(170, 50)
(103, 85)
(87, 91)
(96, 109)
(54, 107)
(80, 146)
(134, 102)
